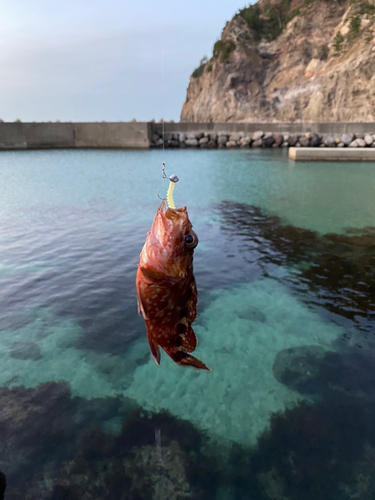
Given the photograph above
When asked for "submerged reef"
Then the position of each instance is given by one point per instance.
(54, 447)
(337, 269)
(324, 449)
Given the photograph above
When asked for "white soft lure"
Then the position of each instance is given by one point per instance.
(173, 179)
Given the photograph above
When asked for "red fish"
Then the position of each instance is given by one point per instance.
(166, 289)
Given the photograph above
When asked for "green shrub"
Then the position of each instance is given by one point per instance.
(199, 71)
(338, 41)
(223, 49)
(209, 68)
(369, 36)
(354, 25)
(367, 8)
(251, 14)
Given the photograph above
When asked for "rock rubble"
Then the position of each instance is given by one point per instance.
(260, 139)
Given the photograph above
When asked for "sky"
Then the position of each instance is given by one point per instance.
(94, 60)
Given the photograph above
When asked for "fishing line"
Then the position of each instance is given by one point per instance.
(173, 178)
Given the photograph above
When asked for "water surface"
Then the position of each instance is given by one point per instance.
(285, 274)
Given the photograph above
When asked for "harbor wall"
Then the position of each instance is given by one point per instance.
(119, 135)
(275, 127)
(75, 135)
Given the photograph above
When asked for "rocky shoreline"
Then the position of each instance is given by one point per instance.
(260, 139)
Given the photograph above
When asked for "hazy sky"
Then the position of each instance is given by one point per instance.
(93, 60)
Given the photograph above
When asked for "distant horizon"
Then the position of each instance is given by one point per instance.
(89, 61)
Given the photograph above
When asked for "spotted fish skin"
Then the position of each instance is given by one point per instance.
(166, 288)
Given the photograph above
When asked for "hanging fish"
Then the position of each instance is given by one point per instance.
(166, 288)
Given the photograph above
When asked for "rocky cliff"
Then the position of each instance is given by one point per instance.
(289, 60)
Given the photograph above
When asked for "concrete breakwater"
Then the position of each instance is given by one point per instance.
(20, 135)
(259, 139)
(121, 135)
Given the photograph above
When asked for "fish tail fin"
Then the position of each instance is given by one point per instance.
(184, 359)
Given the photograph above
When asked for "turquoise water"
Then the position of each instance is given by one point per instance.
(285, 275)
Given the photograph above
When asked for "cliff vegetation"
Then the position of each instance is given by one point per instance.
(289, 60)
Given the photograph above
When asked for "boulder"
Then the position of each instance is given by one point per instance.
(347, 139)
(369, 139)
(286, 136)
(353, 144)
(245, 142)
(173, 143)
(257, 143)
(213, 136)
(304, 141)
(182, 137)
(278, 139)
(204, 140)
(315, 140)
(232, 144)
(168, 136)
(268, 140)
(329, 141)
(222, 139)
(340, 145)
(191, 135)
(155, 137)
(234, 137)
(285, 144)
(257, 135)
(176, 136)
(158, 143)
(292, 141)
(211, 144)
(191, 142)
(361, 143)
(199, 135)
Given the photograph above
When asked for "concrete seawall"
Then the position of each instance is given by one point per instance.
(75, 135)
(139, 134)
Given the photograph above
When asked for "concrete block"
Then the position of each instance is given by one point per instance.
(113, 135)
(332, 154)
(12, 136)
(49, 135)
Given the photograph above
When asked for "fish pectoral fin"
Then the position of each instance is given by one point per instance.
(155, 351)
(156, 276)
(187, 336)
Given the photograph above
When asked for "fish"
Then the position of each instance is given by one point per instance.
(166, 288)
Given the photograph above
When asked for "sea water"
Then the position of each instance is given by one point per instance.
(284, 269)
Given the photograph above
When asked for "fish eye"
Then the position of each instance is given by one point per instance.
(191, 240)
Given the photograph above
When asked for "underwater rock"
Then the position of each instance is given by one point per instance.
(161, 472)
(53, 447)
(252, 314)
(309, 452)
(298, 368)
(341, 271)
(25, 350)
